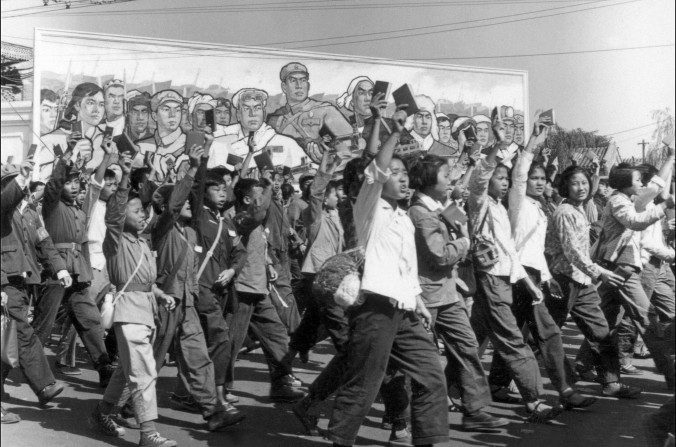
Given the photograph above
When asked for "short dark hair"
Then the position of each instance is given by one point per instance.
(33, 186)
(137, 176)
(423, 173)
(109, 174)
(535, 166)
(621, 177)
(165, 192)
(49, 95)
(215, 177)
(333, 186)
(287, 191)
(647, 171)
(243, 188)
(567, 174)
(354, 169)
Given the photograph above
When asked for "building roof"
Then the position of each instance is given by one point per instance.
(16, 52)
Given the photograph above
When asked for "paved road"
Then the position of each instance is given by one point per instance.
(609, 423)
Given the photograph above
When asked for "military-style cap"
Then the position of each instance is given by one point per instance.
(481, 119)
(248, 93)
(163, 97)
(138, 99)
(293, 67)
(518, 118)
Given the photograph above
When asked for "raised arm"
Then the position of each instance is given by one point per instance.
(54, 186)
(116, 211)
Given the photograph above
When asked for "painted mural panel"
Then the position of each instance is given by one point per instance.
(155, 96)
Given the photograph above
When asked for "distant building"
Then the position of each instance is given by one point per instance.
(16, 105)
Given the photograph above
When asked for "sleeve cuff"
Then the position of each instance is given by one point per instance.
(92, 180)
(62, 274)
(373, 174)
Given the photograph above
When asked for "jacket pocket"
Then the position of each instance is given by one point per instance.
(11, 260)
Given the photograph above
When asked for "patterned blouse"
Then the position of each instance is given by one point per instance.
(568, 247)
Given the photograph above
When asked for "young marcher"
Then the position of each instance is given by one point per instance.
(177, 263)
(497, 269)
(529, 228)
(325, 239)
(253, 306)
(440, 247)
(15, 269)
(392, 304)
(222, 256)
(619, 249)
(568, 250)
(66, 224)
(132, 272)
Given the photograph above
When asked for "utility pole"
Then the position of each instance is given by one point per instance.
(643, 144)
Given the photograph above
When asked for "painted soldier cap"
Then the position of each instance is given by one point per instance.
(293, 67)
(518, 118)
(480, 118)
(162, 97)
(461, 123)
(250, 93)
(137, 98)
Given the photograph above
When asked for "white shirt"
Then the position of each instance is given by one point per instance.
(479, 203)
(117, 125)
(388, 235)
(528, 220)
(652, 242)
(96, 231)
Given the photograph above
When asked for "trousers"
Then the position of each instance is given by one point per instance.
(382, 335)
(136, 375)
(32, 360)
(492, 318)
(545, 332)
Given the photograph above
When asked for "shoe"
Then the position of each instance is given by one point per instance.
(481, 420)
(127, 411)
(67, 370)
(291, 380)
(185, 403)
(123, 421)
(542, 412)
(105, 424)
(386, 423)
(227, 417)
(400, 438)
(105, 373)
(247, 349)
(621, 391)
(282, 392)
(155, 440)
(49, 392)
(9, 418)
(576, 400)
(231, 398)
(586, 375)
(300, 410)
(503, 395)
(630, 370)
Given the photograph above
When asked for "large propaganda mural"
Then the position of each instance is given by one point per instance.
(156, 96)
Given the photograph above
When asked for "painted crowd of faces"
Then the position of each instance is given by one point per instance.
(93, 113)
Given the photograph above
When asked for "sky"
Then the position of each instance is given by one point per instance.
(610, 91)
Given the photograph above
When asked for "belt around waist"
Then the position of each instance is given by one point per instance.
(68, 246)
(138, 288)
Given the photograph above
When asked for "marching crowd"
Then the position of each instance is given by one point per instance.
(471, 239)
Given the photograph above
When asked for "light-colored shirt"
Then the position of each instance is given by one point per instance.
(568, 245)
(528, 220)
(497, 227)
(653, 243)
(620, 240)
(388, 235)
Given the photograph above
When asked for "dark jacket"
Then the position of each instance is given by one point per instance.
(438, 255)
(176, 245)
(229, 252)
(13, 257)
(37, 244)
(66, 224)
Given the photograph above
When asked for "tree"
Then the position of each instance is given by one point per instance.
(664, 126)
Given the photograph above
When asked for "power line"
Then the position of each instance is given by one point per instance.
(629, 130)
(556, 53)
(374, 39)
